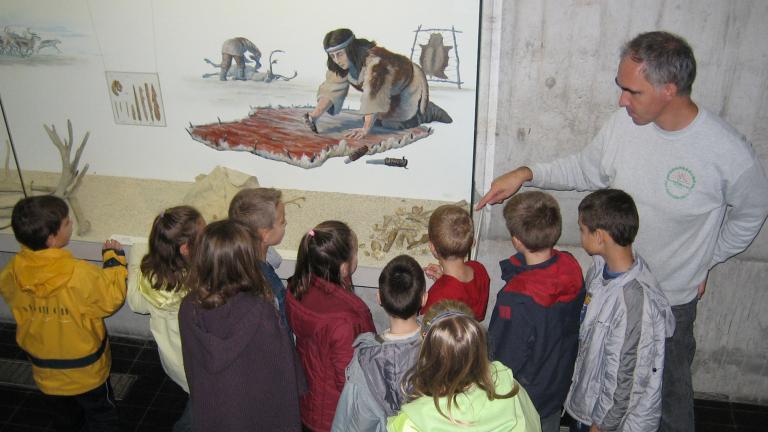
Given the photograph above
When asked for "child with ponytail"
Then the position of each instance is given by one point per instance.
(159, 288)
(326, 316)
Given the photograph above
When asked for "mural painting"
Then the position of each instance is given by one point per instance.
(296, 85)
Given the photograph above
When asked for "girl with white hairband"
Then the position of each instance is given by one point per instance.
(395, 94)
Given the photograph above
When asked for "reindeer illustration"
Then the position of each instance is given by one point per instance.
(19, 44)
(47, 43)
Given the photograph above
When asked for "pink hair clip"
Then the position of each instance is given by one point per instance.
(311, 233)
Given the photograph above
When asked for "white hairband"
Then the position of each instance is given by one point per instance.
(341, 45)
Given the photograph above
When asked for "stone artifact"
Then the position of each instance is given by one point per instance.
(212, 192)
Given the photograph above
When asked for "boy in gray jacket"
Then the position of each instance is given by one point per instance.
(617, 378)
(373, 389)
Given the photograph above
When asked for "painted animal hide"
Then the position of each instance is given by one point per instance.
(434, 56)
(280, 134)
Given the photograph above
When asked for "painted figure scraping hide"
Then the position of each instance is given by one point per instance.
(395, 94)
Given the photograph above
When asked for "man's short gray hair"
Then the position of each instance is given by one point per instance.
(667, 59)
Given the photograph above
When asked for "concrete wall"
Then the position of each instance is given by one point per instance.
(550, 77)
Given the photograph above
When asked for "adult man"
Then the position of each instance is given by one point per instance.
(701, 192)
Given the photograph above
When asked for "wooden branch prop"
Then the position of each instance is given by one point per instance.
(71, 177)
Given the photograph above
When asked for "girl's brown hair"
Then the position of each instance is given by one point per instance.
(165, 266)
(225, 263)
(322, 251)
(452, 359)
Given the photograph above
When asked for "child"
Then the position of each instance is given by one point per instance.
(326, 316)
(159, 288)
(263, 211)
(240, 362)
(617, 378)
(534, 327)
(373, 390)
(59, 304)
(450, 234)
(454, 386)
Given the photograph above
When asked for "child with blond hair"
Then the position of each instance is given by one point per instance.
(454, 386)
(451, 235)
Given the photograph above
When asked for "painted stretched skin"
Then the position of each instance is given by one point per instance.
(434, 56)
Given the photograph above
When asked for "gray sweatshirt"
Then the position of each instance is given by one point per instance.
(701, 192)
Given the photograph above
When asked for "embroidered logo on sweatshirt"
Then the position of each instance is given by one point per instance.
(680, 182)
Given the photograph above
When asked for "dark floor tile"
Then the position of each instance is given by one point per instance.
(121, 365)
(149, 355)
(152, 428)
(123, 351)
(750, 418)
(159, 418)
(6, 412)
(11, 396)
(170, 387)
(127, 341)
(170, 402)
(749, 407)
(8, 336)
(149, 370)
(35, 401)
(21, 428)
(34, 418)
(711, 403)
(131, 414)
(11, 351)
(710, 427)
(708, 415)
(139, 398)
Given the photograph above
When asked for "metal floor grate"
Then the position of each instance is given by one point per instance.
(18, 373)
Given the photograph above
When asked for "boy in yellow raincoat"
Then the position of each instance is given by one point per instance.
(59, 304)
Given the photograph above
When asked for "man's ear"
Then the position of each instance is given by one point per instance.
(378, 296)
(50, 241)
(669, 90)
(424, 298)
